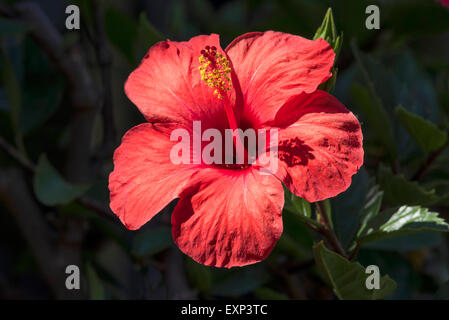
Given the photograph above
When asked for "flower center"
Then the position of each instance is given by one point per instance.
(215, 71)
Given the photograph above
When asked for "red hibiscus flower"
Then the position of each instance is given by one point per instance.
(230, 215)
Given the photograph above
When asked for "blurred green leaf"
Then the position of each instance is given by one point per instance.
(397, 267)
(25, 263)
(296, 240)
(407, 242)
(399, 191)
(269, 294)
(150, 242)
(328, 32)
(443, 292)
(241, 282)
(302, 206)
(14, 94)
(397, 80)
(375, 116)
(50, 188)
(371, 207)
(40, 103)
(329, 85)
(202, 12)
(289, 246)
(11, 27)
(348, 207)
(69, 41)
(350, 16)
(415, 18)
(86, 10)
(154, 278)
(178, 22)
(96, 288)
(406, 220)
(348, 278)
(424, 132)
(149, 35)
(199, 275)
(444, 200)
(418, 94)
(122, 31)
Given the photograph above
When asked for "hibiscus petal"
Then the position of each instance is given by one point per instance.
(320, 146)
(144, 179)
(228, 218)
(167, 86)
(273, 66)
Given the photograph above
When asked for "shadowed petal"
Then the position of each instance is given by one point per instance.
(320, 146)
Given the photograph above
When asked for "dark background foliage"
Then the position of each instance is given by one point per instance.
(63, 111)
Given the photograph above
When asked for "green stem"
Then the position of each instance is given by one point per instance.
(354, 252)
(327, 231)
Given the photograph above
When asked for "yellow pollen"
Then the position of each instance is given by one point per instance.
(215, 71)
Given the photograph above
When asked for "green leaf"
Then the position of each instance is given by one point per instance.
(406, 215)
(329, 85)
(375, 116)
(348, 278)
(371, 207)
(153, 241)
(419, 94)
(328, 32)
(50, 188)
(406, 220)
(199, 275)
(289, 246)
(122, 31)
(296, 240)
(424, 132)
(399, 191)
(299, 207)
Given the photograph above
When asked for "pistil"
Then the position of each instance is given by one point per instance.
(215, 70)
